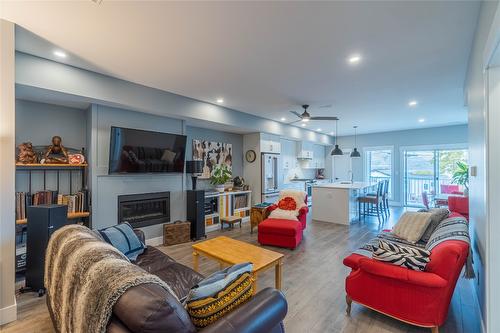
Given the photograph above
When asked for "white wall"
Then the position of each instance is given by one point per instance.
(475, 92)
(7, 173)
(397, 139)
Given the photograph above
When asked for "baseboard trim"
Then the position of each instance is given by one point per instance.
(8, 314)
(155, 241)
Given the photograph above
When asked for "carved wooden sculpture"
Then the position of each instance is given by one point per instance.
(56, 153)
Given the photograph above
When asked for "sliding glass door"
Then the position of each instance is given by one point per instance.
(430, 171)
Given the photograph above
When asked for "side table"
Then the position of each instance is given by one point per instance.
(257, 215)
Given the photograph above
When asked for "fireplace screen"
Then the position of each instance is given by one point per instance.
(141, 210)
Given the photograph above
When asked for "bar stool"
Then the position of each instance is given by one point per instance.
(385, 198)
(374, 203)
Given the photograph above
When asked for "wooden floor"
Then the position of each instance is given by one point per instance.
(313, 282)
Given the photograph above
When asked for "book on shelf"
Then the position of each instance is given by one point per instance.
(76, 202)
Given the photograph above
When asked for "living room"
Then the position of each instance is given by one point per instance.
(269, 156)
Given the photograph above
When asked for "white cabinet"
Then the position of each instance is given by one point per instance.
(305, 150)
(270, 143)
(288, 155)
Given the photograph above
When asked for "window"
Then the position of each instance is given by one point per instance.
(379, 165)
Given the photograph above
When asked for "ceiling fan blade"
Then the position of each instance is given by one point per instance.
(324, 118)
(297, 114)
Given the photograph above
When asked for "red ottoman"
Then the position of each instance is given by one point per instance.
(279, 232)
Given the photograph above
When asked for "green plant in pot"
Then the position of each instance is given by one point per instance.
(461, 176)
(220, 176)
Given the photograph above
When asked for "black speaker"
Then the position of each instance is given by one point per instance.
(43, 220)
(196, 213)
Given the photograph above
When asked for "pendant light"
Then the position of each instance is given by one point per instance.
(336, 151)
(355, 153)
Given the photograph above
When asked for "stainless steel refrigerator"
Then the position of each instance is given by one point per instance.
(270, 177)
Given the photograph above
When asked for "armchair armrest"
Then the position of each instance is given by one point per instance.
(271, 208)
(303, 210)
(423, 279)
(261, 313)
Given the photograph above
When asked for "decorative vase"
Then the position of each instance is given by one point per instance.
(219, 188)
(466, 192)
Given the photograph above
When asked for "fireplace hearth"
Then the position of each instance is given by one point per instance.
(141, 210)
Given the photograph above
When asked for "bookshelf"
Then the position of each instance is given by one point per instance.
(48, 177)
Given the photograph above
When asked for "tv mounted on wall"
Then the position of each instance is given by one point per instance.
(139, 151)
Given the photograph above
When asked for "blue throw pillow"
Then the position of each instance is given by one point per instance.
(123, 237)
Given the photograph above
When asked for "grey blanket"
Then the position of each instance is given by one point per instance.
(84, 277)
(451, 228)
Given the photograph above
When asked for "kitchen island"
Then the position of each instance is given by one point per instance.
(337, 202)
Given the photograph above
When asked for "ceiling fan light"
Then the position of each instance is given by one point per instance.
(355, 153)
(305, 120)
(336, 151)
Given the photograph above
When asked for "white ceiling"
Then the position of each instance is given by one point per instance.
(267, 58)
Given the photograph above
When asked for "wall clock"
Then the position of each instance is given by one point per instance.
(250, 156)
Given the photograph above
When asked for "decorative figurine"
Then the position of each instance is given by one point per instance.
(26, 154)
(76, 159)
(56, 153)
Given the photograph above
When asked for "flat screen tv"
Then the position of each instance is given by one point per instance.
(138, 151)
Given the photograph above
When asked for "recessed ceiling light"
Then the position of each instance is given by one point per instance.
(354, 59)
(283, 118)
(412, 103)
(220, 100)
(60, 54)
(319, 130)
(303, 124)
(421, 120)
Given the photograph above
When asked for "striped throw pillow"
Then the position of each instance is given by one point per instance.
(123, 237)
(405, 256)
(412, 225)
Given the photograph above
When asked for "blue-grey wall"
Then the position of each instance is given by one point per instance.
(38, 123)
(397, 139)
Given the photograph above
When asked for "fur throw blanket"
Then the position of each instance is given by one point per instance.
(451, 228)
(85, 277)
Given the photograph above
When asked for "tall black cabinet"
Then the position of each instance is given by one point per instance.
(196, 213)
(44, 220)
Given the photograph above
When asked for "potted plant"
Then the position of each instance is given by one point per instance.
(220, 176)
(461, 176)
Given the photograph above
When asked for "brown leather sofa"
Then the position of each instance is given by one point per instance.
(149, 308)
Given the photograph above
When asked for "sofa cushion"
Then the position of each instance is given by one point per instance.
(122, 237)
(150, 308)
(284, 214)
(411, 226)
(280, 227)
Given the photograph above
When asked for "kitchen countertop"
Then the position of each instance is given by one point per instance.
(353, 185)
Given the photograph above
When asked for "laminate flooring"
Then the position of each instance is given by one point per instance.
(313, 283)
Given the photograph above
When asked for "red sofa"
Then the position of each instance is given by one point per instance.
(283, 233)
(459, 204)
(418, 298)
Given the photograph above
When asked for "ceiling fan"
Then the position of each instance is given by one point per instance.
(305, 116)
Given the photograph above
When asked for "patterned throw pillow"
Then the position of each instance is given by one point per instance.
(206, 311)
(412, 225)
(405, 256)
(123, 237)
(287, 203)
(438, 214)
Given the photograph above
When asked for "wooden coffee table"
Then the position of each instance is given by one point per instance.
(228, 251)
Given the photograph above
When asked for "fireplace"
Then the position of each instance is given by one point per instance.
(141, 210)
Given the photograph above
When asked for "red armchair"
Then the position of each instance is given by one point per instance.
(418, 298)
(283, 233)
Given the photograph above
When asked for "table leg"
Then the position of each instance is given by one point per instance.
(196, 261)
(278, 274)
(254, 284)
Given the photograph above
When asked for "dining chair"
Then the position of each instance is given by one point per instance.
(425, 199)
